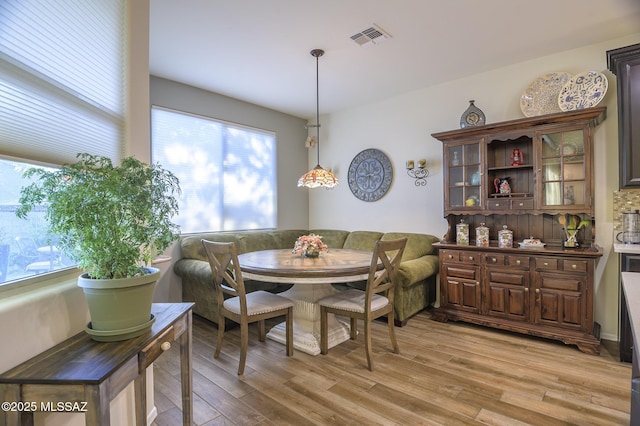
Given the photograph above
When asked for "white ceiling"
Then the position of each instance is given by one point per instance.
(258, 50)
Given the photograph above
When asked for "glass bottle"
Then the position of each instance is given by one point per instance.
(455, 161)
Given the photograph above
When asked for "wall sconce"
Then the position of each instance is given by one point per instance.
(420, 174)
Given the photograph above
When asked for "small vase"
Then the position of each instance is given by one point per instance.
(311, 253)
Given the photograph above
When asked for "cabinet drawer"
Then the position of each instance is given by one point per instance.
(450, 255)
(547, 263)
(522, 204)
(517, 278)
(468, 257)
(571, 265)
(156, 348)
(498, 204)
(454, 271)
(472, 257)
(496, 259)
(560, 282)
(517, 261)
(510, 204)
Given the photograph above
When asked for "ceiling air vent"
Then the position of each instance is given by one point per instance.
(370, 36)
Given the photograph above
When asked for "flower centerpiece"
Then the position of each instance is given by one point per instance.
(309, 245)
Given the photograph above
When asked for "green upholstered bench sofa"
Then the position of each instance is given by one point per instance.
(415, 290)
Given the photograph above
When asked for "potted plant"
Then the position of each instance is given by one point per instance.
(112, 220)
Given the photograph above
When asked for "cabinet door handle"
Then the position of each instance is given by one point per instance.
(450, 256)
(517, 262)
(165, 346)
(470, 257)
(494, 260)
(546, 263)
(526, 289)
(574, 266)
(520, 204)
(537, 290)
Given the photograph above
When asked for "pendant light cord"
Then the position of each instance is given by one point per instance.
(316, 53)
(318, 107)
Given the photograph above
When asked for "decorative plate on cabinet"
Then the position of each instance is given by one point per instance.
(584, 90)
(541, 96)
(370, 175)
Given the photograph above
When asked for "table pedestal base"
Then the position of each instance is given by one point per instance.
(306, 319)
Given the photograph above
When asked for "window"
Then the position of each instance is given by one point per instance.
(61, 78)
(227, 172)
(62, 91)
(25, 247)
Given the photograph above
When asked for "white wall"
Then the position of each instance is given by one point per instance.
(401, 127)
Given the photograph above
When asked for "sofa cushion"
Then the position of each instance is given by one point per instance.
(415, 270)
(246, 241)
(331, 237)
(270, 240)
(362, 240)
(418, 245)
(191, 247)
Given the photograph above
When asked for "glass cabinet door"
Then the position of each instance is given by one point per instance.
(464, 177)
(563, 170)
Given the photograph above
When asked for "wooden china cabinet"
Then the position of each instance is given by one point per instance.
(546, 291)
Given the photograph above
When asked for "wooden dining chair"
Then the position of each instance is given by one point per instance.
(376, 301)
(242, 307)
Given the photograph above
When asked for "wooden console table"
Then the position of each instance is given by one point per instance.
(82, 375)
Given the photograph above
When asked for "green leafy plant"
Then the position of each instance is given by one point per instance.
(112, 220)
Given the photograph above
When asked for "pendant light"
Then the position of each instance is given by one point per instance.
(317, 177)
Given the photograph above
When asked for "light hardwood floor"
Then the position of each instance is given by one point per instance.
(446, 373)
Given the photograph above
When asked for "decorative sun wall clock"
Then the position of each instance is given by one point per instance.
(370, 175)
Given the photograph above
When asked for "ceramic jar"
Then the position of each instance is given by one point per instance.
(462, 233)
(482, 236)
(505, 237)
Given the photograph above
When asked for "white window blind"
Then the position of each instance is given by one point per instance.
(227, 172)
(62, 78)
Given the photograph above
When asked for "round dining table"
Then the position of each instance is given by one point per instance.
(312, 279)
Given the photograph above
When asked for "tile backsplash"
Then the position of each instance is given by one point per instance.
(624, 200)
